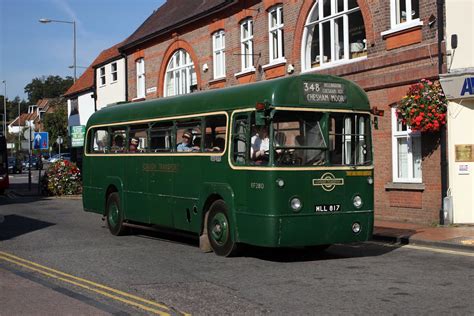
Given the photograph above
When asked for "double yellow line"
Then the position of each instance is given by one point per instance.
(130, 299)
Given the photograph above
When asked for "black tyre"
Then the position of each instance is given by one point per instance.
(219, 230)
(114, 215)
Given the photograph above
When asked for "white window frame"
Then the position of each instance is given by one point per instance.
(219, 54)
(395, 20)
(102, 76)
(113, 72)
(140, 66)
(331, 19)
(176, 71)
(276, 52)
(410, 137)
(246, 41)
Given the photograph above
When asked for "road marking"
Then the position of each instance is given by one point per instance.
(440, 250)
(89, 285)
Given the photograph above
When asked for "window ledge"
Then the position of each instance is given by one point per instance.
(403, 27)
(217, 80)
(245, 72)
(335, 64)
(138, 99)
(275, 63)
(404, 186)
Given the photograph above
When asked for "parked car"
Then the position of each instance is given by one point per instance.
(64, 156)
(14, 165)
(36, 163)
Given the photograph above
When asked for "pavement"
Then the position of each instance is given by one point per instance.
(459, 237)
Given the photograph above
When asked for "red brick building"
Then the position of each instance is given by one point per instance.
(198, 45)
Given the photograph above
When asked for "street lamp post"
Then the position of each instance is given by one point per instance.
(19, 130)
(74, 66)
(5, 109)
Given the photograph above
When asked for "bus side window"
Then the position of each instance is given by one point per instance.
(100, 141)
(119, 137)
(215, 133)
(193, 127)
(239, 139)
(137, 139)
(160, 137)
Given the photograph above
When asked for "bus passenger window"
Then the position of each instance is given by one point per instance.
(240, 139)
(215, 133)
(188, 136)
(118, 140)
(100, 141)
(137, 139)
(160, 137)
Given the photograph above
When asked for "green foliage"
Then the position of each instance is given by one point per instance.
(56, 123)
(62, 178)
(12, 107)
(47, 87)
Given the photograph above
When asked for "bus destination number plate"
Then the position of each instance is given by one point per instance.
(327, 208)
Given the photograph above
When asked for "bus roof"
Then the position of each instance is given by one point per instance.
(294, 91)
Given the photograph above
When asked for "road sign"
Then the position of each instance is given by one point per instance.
(40, 140)
(59, 140)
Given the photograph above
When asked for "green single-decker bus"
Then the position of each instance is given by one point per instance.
(278, 163)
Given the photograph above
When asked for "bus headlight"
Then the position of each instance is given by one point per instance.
(295, 204)
(357, 201)
(356, 228)
(280, 183)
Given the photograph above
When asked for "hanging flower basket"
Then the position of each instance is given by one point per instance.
(424, 107)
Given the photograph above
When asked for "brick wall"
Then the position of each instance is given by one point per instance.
(393, 62)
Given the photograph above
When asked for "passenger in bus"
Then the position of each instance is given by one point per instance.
(133, 145)
(219, 144)
(117, 143)
(260, 144)
(185, 144)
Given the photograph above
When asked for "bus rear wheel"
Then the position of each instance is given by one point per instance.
(115, 215)
(218, 230)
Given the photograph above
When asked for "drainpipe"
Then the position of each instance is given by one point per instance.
(443, 142)
(126, 76)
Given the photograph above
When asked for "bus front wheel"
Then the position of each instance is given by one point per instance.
(115, 215)
(218, 230)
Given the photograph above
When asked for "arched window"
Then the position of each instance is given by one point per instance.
(334, 33)
(180, 74)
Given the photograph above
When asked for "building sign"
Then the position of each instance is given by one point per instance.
(463, 170)
(77, 135)
(464, 153)
(324, 92)
(458, 87)
(151, 90)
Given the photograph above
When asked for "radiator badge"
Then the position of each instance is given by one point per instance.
(328, 181)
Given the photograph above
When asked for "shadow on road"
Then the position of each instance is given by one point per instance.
(334, 252)
(13, 226)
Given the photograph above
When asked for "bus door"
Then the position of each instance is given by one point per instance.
(158, 170)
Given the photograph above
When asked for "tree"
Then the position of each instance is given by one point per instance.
(12, 108)
(55, 123)
(47, 87)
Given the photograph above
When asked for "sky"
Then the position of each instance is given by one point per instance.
(29, 49)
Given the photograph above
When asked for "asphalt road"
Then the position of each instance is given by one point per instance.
(55, 258)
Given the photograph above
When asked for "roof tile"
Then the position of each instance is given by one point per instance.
(171, 13)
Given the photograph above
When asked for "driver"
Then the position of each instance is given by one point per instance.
(260, 143)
